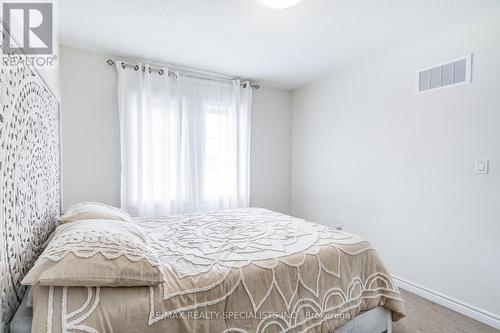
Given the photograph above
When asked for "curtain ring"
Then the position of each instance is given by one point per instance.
(244, 85)
(123, 65)
(149, 70)
(136, 68)
(161, 72)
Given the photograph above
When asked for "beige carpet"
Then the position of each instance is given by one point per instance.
(427, 317)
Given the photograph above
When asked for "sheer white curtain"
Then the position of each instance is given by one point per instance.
(185, 142)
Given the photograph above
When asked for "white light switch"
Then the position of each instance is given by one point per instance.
(481, 166)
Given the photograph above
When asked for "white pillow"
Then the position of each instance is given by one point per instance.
(93, 211)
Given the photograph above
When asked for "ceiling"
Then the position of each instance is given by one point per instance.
(284, 48)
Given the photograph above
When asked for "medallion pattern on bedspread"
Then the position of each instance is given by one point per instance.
(194, 244)
(29, 176)
(195, 248)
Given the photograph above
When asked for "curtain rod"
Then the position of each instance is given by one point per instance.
(161, 71)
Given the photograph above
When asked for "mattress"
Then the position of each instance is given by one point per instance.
(243, 270)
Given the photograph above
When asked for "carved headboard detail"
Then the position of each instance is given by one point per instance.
(30, 194)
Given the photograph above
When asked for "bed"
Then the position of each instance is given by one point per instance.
(243, 270)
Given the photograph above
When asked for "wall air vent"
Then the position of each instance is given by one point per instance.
(450, 74)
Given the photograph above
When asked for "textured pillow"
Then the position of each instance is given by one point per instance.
(93, 211)
(97, 253)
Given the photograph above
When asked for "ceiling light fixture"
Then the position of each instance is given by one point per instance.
(279, 4)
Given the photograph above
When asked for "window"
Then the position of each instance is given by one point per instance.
(185, 143)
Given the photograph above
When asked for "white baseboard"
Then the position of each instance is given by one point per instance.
(476, 313)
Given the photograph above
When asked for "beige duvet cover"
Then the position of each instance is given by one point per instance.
(245, 270)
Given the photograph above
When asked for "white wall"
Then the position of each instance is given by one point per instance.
(91, 142)
(91, 137)
(270, 155)
(398, 168)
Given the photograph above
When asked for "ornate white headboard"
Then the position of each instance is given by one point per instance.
(30, 185)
